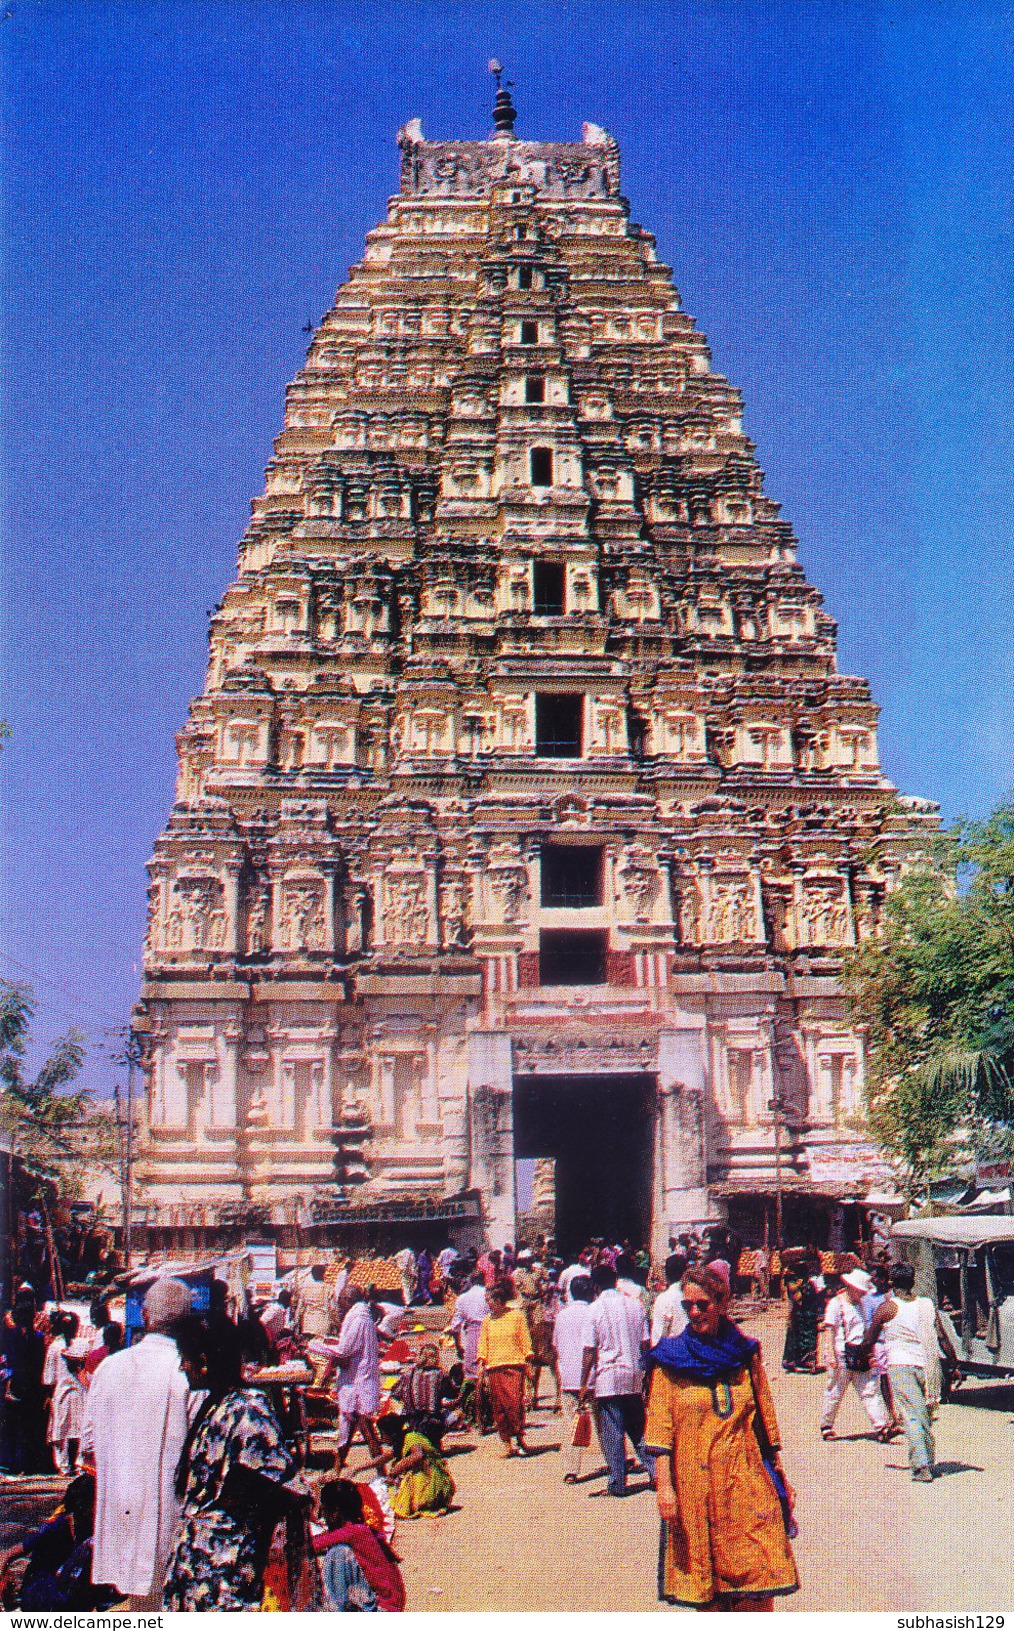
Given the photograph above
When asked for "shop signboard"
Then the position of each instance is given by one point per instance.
(263, 1266)
(858, 1164)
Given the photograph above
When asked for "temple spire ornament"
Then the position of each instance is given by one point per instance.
(504, 112)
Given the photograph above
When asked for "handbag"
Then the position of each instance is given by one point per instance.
(857, 1357)
(580, 1433)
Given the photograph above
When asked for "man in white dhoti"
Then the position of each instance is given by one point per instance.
(61, 1372)
(358, 1355)
(405, 1260)
(136, 1423)
(313, 1311)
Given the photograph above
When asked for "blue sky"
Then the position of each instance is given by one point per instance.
(184, 184)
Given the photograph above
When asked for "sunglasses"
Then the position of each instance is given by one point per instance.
(692, 1306)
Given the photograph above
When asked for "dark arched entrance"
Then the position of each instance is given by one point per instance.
(600, 1131)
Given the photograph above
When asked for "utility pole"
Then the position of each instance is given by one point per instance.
(133, 1052)
(131, 1057)
(777, 1108)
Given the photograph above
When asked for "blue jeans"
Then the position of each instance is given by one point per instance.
(620, 1418)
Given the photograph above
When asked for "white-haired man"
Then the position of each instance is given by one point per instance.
(136, 1423)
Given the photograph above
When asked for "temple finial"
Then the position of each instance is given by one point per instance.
(504, 111)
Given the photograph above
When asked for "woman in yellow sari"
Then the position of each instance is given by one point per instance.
(425, 1487)
(726, 1508)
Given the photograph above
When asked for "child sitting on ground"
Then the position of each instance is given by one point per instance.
(358, 1567)
(59, 1572)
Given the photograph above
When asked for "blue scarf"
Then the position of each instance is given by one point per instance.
(706, 1359)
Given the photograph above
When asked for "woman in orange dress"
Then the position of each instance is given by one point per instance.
(504, 1358)
(722, 1495)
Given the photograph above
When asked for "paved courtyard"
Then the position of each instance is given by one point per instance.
(870, 1538)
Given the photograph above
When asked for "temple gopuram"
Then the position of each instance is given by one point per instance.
(524, 815)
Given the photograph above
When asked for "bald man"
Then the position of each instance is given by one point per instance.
(136, 1423)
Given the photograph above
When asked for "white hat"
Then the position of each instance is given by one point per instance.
(859, 1280)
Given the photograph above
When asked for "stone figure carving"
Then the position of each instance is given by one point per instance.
(257, 921)
(454, 912)
(199, 922)
(357, 910)
(823, 915)
(407, 914)
(732, 912)
(151, 920)
(509, 883)
(302, 927)
(639, 875)
(688, 912)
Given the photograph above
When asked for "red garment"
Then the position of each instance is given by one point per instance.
(374, 1557)
(94, 1360)
(505, 1387)
(373, 1512)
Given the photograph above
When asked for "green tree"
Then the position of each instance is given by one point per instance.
(935, 995)
(56, 1132)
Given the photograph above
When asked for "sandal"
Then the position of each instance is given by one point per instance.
(570, 1477)
(827, 1434)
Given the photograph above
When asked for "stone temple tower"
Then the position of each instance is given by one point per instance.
(524, 812)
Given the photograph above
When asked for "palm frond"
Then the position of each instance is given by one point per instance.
(956, 1072)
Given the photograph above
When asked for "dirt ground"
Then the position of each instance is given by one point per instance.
(869, 1537)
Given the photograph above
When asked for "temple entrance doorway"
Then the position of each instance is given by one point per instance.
(599, 1131)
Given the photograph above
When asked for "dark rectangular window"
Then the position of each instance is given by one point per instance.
(571, 875)
(548, 583)
(529, 334)
(535, 387)
(542, 466)
(572, 956)
(524, 277)
(558, 726)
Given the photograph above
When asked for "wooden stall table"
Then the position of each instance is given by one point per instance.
(286, 1386)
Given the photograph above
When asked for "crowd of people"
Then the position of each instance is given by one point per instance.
(190, 1487)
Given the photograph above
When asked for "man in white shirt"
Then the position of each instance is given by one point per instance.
(136, 1423)
(614, 1342)
(846, 1330)
(668, 1317)
(568, 1345)
(911, 1330)
(388, 1318)
(470, 1310)
(447, 1259)
(582, 1266)
(630, 1280)
(405, 1259)
(358, 1353)
(313, 1302)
